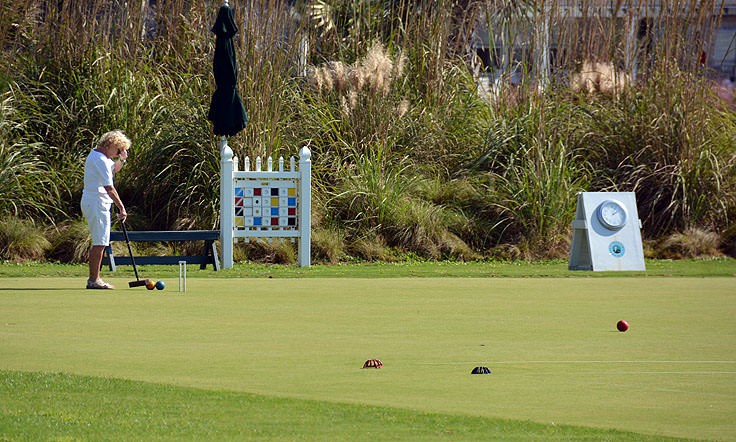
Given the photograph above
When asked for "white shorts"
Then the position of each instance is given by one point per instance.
(97, 214)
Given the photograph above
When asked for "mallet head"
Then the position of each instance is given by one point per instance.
(139, 283)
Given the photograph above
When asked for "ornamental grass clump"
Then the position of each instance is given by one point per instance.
(380, 194)
(667, 142)
(328, 244)
(21, 240)
(691, 243)
(363, 85)
(407, 155)
(28, 186)
(600, 78)
(273, 252)
(70, 242)
(533, 165)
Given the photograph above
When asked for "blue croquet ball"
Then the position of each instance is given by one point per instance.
(160, 285)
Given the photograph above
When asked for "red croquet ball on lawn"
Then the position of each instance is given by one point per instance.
(622, 325)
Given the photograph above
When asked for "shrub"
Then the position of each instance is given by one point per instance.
(729, 241)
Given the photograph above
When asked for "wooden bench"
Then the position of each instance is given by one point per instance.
(208, 256)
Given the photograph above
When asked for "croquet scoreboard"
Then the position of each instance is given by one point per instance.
(606, 233)
(265, 205)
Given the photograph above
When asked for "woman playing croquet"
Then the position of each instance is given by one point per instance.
(98, 195)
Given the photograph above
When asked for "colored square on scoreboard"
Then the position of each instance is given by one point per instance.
(248, 191)
(238, 201)
(274, 201)
(274, 191)
(238, 211)
(292, 191)
(239, 221)
(292, 211)
(257, 191)
(292, 202)
(292, 221)
(247, 211)
(239, 191)
(274, 211)
(257, 221)
(275, 221)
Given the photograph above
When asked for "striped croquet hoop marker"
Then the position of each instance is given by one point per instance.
(373, 363)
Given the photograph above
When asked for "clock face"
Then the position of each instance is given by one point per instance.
(612, 214)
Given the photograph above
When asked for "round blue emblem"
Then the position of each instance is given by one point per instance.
(616, 249)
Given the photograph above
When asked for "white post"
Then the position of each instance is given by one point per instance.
(303, 55)
(630, 48)
(226, 204)
(305, 207)
(541, 47)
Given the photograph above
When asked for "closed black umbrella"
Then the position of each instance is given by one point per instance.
(226, 109)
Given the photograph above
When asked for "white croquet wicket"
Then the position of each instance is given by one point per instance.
(182, 276)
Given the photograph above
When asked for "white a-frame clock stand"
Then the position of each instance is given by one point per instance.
(606, 233)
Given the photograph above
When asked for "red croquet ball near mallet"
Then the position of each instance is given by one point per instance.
(622, 325)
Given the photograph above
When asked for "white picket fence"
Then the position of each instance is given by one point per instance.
(265, 203)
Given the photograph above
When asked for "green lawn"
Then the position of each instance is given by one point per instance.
(56, 406)
(551, 343)
(551, 268)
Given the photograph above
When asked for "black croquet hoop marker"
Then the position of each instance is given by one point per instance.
(138, 282)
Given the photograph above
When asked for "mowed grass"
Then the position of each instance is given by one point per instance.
(57, 406)
(709, 267)
(296, 346)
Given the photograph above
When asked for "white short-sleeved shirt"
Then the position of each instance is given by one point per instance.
(97, 175)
